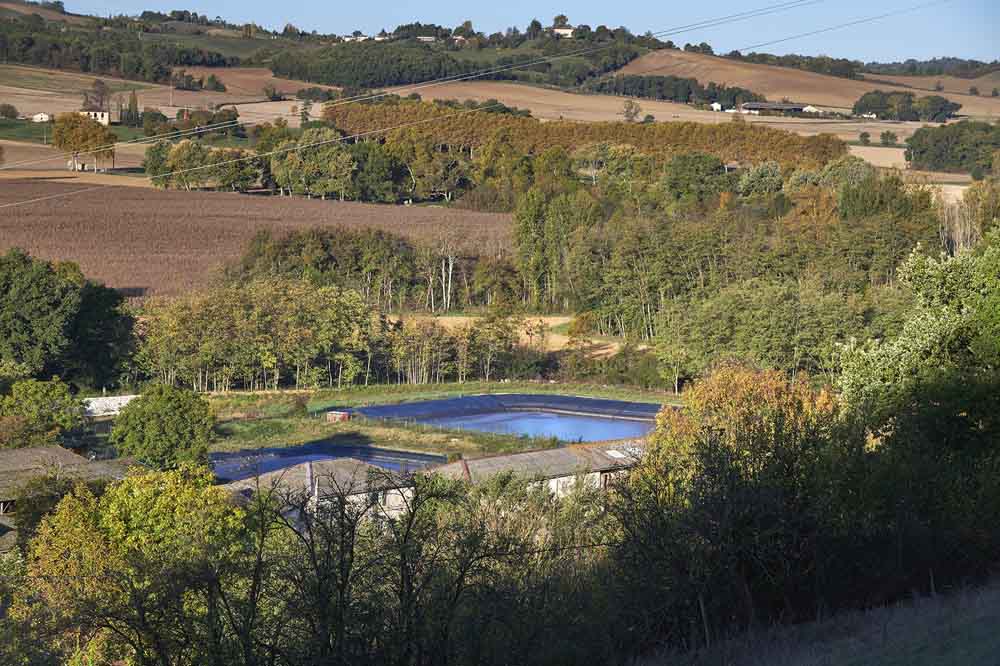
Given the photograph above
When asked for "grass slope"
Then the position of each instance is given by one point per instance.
(947, 630)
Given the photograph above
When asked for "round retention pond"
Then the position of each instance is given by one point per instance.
(566, 418)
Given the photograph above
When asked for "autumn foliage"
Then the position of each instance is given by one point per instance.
(740, 142)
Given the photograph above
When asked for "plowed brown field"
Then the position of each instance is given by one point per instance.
(151, 241)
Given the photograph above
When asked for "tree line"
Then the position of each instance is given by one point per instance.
(968, 146)
(32, 41)
(842, 67)
(674, 89)
(905, 106)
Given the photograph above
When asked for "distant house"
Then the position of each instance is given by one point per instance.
(382, 38)
(102, 117)
(595, 465)
(41, 118)
(426, 39)
(356, 38)
(716, 106)
(459, 39)
(565, 32)
(811, 109)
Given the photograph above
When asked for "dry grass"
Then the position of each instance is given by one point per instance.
(951, 630)
(777, 83)
(151, 241)
(251, 80)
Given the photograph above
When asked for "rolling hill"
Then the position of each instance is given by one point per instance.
(777, 83)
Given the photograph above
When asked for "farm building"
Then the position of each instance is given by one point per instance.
(19, 466)
(596, 465)
(102, 117)
(715, 106)
(41, 118)
(319, 483)
(772, 107)
(565, 32)
(426, 39)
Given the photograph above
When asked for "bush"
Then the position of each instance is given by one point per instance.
(164, 428)
(888, 138)
(865, 138)
(8, 111)
(38, 414)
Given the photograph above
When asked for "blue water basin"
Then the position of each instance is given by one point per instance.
(564, 427)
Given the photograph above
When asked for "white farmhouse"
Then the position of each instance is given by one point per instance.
(102, 117)
(41, 118)
(716, 106)
(566, 32)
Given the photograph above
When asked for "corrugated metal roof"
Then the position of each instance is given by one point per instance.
(549, 463)
(347, 476)
(17, 466)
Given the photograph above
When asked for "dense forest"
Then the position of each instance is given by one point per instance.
(32, 41)
(960, 67)
(674, 89)
(376, 64)
(970, 147)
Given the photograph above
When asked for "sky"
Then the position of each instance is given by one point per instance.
(959, 28)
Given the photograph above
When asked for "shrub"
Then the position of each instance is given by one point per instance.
(8, 111)
(865, 138)
(888, 138)
(164, 428)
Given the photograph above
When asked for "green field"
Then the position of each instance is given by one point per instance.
(52, 80)
(24, 130)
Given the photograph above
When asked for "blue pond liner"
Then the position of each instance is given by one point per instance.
(566, 418)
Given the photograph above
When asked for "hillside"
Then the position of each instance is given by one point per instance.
(34, 89)
(17, 8)
(777, 83)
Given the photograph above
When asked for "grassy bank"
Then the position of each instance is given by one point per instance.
(946, 630)
(289, 418)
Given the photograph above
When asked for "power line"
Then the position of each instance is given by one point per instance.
(455, 78)
(841, 26)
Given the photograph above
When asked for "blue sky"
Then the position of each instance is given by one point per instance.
(961, 28)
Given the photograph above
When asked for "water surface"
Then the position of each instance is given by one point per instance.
(564, 427)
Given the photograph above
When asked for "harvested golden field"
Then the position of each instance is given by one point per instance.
(165, 242)
(777, 83)
(950, 84)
